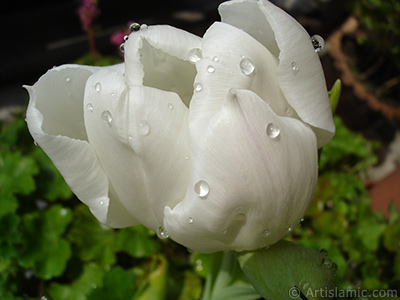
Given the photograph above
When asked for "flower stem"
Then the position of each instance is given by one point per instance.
(92, 45)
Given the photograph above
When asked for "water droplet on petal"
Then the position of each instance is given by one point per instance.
(201, 188)
(191, 221)
(289, 111)
(302, 220)
(289, 229)
(198, 87)
(324, 252)
(317, 42)
(273, 131)
(134, 27)
(187, 157)
(97, 87)
(295, 68)
(162, 233)
(267, 232)
(247, 66)
(130, 137)
(170, 106)
(101, 202)
(240, 217)
(89, 107)
(144, 128)
(215, 58)
(122, 48)
(126, 37)
(195, 55)
(107, 116)
(144, 27)
(68, 79)
(35, 143)
(210, 69)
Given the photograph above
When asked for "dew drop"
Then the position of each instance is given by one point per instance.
(191, 221)
(327, 262)
(289, 111)
(273, 131)
(107, 116)
(198, 87)
(267, 232)
(247, 66)
(324, 252)
(215, 58)
(240, 217)
(144, 27)
(162, 233)
(334, 267)
(302, 220)
(295, 68)
(317, 42)
(210, 69)
(126, 37)
(101, 202)
(43, 298)
(89, 107)
(202, 189)
(97, 87)
(134, 27)
(122, 47)
(129, 137)
(187, 157)
(67, 79)
(170, 106)
(144, 128)
(195, 55)
(290, 229)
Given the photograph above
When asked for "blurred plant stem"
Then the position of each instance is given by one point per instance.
(92, 45)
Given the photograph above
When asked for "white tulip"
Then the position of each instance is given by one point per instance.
(212, 141)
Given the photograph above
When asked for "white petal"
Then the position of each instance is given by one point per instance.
(252, 178)
(227, 50)
(105, 94)
(305, 88)
(56, 121)
(159, 57)
(157, 127)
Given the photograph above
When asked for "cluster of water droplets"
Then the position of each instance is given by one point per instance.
(318, 43)
(133, 27)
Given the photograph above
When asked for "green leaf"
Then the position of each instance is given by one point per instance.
(44, 249)
(192, 287)
(9, 236)
(93, 240)
(237, 292)
(334, 94)
(285, 269)
(138, 241)
(155, 286)
(16, 178)
(90, 279)
(118, 284)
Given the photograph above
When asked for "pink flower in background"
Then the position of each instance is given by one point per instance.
(88, 11)
(117, 38)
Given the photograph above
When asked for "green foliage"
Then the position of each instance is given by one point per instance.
(51, 245)
(383, 17)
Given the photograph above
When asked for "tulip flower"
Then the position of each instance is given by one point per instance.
(210, 141)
